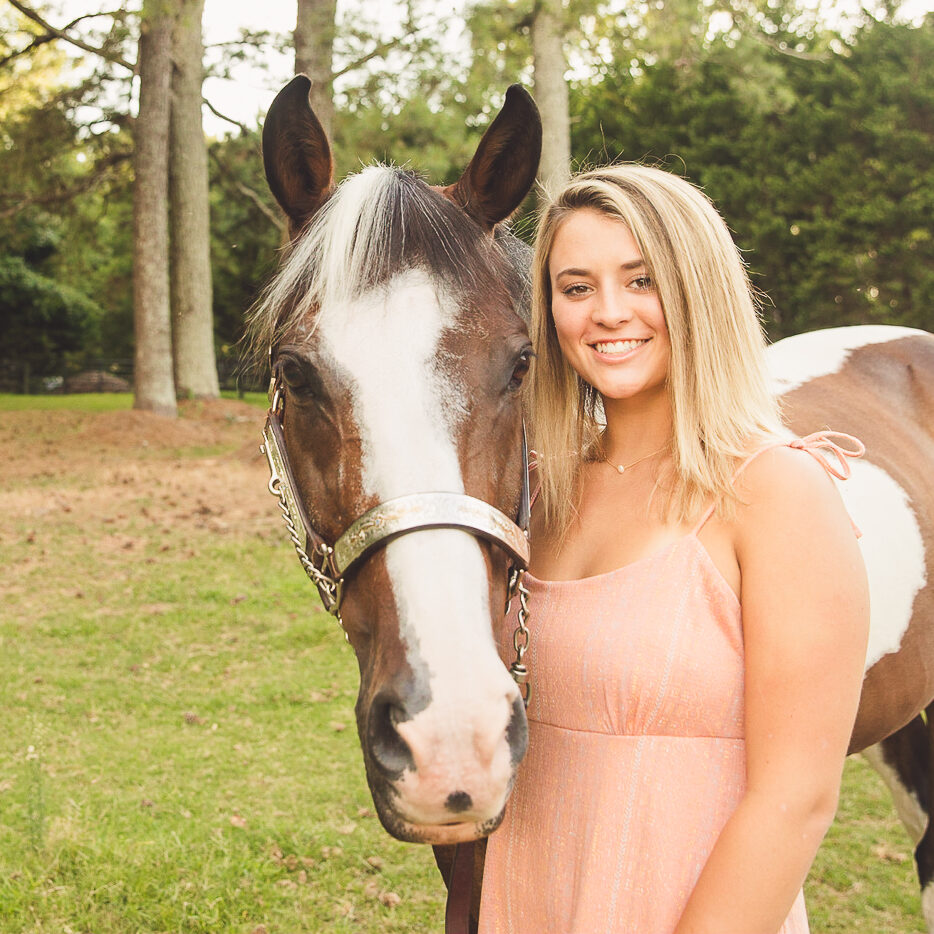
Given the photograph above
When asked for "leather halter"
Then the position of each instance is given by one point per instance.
(328, 565)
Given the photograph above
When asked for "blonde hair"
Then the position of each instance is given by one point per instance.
(717, 381)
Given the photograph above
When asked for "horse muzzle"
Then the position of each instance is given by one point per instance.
(437, 778)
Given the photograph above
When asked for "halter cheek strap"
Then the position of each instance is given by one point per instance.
(313, 551)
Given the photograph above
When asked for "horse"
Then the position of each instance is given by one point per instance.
(877, 384)
(397, 345)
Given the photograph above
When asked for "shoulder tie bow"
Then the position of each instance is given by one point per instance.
(823, 446)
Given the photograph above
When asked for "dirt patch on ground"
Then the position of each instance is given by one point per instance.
(33, 443)
(205, 424)
(120, 474)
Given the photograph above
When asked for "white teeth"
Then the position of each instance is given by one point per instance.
(618, 346)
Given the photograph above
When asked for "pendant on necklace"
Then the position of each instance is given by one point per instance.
(622, 468)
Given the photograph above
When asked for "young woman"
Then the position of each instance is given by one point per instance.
(699, 600)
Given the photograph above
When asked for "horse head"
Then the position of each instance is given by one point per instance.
(398, 350)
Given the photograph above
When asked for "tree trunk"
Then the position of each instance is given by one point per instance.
(154, 386)
(551, 95)
(314, 55)
(192, 314)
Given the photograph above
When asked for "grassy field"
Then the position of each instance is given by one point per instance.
(92, 401)
(179, 752)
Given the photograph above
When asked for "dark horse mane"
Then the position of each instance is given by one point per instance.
(377, 224)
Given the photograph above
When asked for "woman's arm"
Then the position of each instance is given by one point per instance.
(805, 605)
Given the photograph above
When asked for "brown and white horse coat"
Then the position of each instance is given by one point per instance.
(877, 383)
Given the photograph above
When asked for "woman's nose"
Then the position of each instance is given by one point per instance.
(611, 309)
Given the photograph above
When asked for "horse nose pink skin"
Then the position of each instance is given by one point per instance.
(490, 733)
(396, 747)
(439, 768)
(482, 749)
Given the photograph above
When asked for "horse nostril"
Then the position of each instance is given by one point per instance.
(388, 749)
(458, 802)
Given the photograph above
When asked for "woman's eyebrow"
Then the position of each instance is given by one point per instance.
(574, 271)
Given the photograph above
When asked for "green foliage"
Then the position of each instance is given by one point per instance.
(41, 320)
(436, 143)
(813, 142)
(821, 165)
(244, 240)
(64, 218)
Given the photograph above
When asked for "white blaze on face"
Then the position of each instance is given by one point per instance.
(797, 360)
(891, 541)
(406, 411)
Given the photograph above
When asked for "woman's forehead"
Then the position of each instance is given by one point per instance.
(587, 235)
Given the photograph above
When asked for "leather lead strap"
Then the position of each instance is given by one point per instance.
(460, 890)
(525, 501)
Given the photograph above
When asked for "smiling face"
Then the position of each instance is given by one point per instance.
(606, 310)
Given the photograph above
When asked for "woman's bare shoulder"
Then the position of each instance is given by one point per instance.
(788, 488)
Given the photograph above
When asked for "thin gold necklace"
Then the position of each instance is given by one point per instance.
(622, 468)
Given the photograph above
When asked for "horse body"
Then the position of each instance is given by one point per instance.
(398, 350)
(877, 383)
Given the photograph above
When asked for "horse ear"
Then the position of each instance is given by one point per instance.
(503, 168)
(296, 154)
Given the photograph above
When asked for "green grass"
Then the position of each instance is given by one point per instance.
(78, 402)
(179, 751)
(180, 755)
(97, 401)
(864, 876)
(254, 398)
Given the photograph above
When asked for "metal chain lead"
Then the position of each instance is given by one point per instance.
(521, 637)
(328, 587)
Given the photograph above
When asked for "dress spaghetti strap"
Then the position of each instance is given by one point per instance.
(821, 445)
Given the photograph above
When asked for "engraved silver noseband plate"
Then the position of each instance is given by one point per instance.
(435, 510)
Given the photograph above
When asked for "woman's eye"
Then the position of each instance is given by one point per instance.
(643, 283)
(573, 291)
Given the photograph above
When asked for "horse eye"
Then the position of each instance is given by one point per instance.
(291, 373)
(295, 376)
(521, 368)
